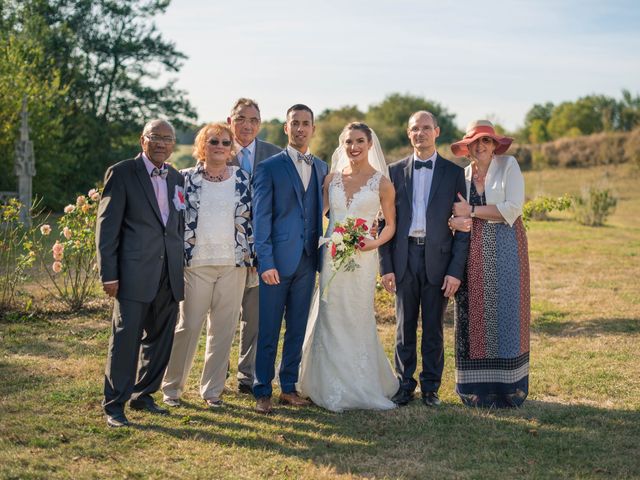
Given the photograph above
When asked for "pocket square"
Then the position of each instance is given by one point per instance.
(178, 198)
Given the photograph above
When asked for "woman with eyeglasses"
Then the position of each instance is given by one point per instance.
(493, 309)
(218, 244)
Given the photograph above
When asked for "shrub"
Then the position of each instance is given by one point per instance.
(71, 262)
(15, 251)
(632, 148)
(594, 206)
(538, 208)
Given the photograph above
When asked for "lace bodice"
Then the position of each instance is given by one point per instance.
(365, 203)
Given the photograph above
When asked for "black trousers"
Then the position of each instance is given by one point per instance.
(415, 297)
(139, 347)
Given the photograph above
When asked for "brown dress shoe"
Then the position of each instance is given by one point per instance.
(263, 405)
(294, 399)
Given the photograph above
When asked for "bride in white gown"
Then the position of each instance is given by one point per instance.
(343, 364)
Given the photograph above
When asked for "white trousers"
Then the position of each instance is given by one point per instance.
(216, 291)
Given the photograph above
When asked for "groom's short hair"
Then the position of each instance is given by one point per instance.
(428, 114)
(300, 107)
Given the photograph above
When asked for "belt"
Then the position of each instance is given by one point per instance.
(417, 240)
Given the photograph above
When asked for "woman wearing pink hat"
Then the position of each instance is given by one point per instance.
(492, 305)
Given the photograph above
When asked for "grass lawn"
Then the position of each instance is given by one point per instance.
(582, 419)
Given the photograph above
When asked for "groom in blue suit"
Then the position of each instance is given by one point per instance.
(287, 225)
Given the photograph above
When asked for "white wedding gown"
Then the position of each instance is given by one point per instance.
(343, 364)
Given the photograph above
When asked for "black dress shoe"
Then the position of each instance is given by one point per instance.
(244, 388)
(430, 399)
(148, 405)
(402, 397)
(117, 420)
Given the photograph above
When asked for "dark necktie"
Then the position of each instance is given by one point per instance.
(418, 164)
(160, 172)
(308, 159)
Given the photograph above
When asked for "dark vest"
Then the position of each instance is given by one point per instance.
(311, 207)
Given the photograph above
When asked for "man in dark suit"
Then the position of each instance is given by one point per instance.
(287, 225)
(424, 263)
(245, 122)
(139, 236)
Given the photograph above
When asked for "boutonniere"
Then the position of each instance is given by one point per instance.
(178, 198)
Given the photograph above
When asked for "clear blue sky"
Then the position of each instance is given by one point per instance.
(478, 59)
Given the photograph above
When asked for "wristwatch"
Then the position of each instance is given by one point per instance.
(473, 211)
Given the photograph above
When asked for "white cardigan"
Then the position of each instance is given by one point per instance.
(503, 187)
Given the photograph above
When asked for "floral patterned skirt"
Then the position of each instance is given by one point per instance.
(492, 316)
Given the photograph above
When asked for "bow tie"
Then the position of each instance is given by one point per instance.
(418, 164)
(160, 172)
(308, 159)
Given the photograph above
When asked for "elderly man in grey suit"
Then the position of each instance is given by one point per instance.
(245, 122)
(139, 235)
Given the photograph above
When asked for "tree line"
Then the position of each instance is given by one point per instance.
(90, 70)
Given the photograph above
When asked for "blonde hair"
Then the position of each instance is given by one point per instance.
(200, 144)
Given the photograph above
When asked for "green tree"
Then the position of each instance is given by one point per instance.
(538, 131)
(107, 54)
(389, 119)
(273, 131)
(329, 125)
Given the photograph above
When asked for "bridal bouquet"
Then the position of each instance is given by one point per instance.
(343, 243)
(345, 239)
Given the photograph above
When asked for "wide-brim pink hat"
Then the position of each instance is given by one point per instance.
(476, 130)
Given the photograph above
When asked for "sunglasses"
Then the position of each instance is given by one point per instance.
(215, 141)
(485, 140)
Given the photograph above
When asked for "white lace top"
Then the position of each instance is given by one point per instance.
(216, 228)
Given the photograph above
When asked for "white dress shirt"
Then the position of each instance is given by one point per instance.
(303, 168)
(421, 188)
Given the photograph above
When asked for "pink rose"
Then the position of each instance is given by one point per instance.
(45, 229)
(58, 250)
(56, 267)
(81, 200)
(69, 208)
(94, 195)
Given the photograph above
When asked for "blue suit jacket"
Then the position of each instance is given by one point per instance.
(278, 215)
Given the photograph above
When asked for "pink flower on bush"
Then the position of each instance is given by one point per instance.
(69, 208)
(94, 195)
(81, 200)
(58, 251)
(56, 267)
(66, 231)
(45, 229)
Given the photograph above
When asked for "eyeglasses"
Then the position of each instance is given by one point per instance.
(215, 141)
(242, 120)
(160, 139)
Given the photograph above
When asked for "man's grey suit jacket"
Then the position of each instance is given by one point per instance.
(264, 150)
(132, 241)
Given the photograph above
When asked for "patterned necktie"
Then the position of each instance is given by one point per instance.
(418, 164)
(160, 172)
(245, 163)
(308, 159)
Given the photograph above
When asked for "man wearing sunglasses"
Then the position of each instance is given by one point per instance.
(139, 236)
(245, 122)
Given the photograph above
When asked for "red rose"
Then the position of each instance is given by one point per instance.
(334, 250)
(339, 230)
(360, 222)
(361, 244)
(360, 239)
(180, 196)
(365, 228)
